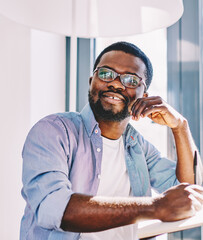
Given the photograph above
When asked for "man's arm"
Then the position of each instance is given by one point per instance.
(161, 113)
(185, 148)
(89, 214)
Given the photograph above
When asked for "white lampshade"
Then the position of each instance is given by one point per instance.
(93, 18)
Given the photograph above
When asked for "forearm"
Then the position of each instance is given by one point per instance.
(90, 214)
(162, 113)
(185, 148)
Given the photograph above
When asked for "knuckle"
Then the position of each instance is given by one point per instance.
(138, 100)
(184, 184)
(186, 193)
(161, 100)
(143, 104)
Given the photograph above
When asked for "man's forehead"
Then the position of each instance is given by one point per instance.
(123, 60)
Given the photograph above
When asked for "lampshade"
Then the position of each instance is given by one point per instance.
(93, 18)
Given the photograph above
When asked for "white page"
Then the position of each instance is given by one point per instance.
(156, 227)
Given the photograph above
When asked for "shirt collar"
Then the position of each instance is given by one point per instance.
(129, 135)
(88, 119)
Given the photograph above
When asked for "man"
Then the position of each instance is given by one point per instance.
(89, 175)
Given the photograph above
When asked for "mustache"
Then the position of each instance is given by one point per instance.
(117, 91)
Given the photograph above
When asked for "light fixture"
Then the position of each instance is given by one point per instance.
(93, 18)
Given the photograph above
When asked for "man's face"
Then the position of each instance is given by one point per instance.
(112, 101)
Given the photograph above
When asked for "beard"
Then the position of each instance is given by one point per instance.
(107, 115)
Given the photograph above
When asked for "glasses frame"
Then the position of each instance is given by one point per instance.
(119, 75)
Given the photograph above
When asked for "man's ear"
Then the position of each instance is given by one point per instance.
(145, 94)
(90, 80)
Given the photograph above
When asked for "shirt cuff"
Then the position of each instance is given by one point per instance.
(51, 209)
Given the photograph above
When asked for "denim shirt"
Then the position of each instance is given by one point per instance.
(62, 155)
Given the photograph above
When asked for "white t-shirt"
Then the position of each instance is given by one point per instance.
(114, 181)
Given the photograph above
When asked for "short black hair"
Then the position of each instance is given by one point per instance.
(131, 49)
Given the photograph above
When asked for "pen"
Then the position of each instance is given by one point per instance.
(195, 166)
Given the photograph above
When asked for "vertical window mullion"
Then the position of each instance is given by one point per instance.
(85, 58)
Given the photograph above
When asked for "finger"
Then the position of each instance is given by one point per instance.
(153, 109)
(135, 106)
(140, 108)
(141, 105)
(196, 204)
(198, 195)
(197, 188)
(150, 100)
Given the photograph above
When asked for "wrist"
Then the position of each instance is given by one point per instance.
(158, 210)
(146, 208)
(182, 126)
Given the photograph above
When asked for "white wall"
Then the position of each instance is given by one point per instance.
(32, 84)
(48, 55)
(14, 120)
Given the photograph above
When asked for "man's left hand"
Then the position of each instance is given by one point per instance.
(158, 110)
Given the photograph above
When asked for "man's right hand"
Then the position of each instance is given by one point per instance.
(178, 202)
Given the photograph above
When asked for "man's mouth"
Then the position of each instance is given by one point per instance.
(114, 96)
(105, 107)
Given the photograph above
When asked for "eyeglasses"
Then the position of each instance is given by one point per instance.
(128, 80)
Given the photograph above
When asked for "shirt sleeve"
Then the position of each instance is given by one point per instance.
(162, 171)
(46, 184)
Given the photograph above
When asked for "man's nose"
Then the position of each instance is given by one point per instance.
(116, 84)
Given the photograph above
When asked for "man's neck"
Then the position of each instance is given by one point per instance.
(112, 130)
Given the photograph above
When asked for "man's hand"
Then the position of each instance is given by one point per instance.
(179, 202)
(162, 113)
(158, 110)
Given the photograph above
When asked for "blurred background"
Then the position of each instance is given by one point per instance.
(47, 51)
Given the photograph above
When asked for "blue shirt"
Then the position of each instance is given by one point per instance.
(62, 155)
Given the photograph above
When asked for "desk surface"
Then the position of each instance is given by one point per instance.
(156, 227)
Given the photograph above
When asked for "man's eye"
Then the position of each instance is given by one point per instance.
(134, 81)
(105, 74)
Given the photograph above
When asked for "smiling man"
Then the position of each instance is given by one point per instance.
(89, 175)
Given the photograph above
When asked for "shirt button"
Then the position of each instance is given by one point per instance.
(98, 149)
(96, 131)
(99, 176)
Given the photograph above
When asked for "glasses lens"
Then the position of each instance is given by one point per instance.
(130, 81)
(105, 74)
